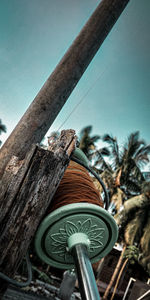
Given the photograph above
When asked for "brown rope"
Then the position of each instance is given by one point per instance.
(76, 186)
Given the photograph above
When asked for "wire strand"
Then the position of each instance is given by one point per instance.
(81, 100)
(16, 283)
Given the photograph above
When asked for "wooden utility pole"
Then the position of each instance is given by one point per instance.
(26, 190)
(56, 90)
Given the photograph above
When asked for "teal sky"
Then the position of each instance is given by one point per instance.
(114, 91)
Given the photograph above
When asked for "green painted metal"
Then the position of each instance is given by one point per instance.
(79, 154)
(72, 224)
(78, 238)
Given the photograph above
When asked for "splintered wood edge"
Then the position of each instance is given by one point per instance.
(66, 142)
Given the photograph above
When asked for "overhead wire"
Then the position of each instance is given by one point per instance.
(81, 100)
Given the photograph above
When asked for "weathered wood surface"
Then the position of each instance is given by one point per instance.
(26, 190)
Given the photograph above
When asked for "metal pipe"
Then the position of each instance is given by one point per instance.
(86, 278)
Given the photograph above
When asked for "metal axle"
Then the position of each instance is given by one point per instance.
(87, 283)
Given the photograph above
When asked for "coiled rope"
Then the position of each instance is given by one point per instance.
(76, 186)
(106, 198)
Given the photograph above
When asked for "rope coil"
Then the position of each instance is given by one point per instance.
(76, 186)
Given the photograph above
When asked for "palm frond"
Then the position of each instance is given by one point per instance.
(108, 138)
(132, 186)
(99, 159)
(115, 155)
(132, 253)
(104, 151)
(118, 199)
(142, 155)
(86, 130)
(108, 179)
(137, 202)
(2, 127)
(95, 138)
(137, 174)
(145, 240)
(132, 146)
(134, 228)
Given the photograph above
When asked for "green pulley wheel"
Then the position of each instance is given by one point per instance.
(74, 224)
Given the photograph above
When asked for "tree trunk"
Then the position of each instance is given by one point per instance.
(26, 190)
(56, 90)
(114, 275)
(119, 276)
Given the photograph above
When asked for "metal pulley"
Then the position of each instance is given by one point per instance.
(75, 236)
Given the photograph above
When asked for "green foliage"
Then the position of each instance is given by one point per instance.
(114, 150)
(87, 142)
(128, 159)
(134, 224)
(121, 171)
(132, 254)
(123, 163)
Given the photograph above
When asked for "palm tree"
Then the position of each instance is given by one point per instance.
(87, 142)
(121, 171)
(100, 164)
(126, 174)
(114, 275)
(2, 129)
(127, 161)
(131, 254)
(134, 235)
(122, 176)
(134, 222)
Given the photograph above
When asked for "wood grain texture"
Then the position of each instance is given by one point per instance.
(27, 188)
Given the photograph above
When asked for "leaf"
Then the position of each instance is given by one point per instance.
(63, 232)
(95, 244)
(56, 244)
(96, 233)
(86, 225)
(58, 237)
(60, 249)
(79, 225)
(71, 228)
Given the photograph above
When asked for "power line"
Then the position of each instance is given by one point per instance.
(81, 100)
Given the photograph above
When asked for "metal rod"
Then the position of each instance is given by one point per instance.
(86, 278)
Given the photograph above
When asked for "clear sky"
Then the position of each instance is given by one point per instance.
(114, 90)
